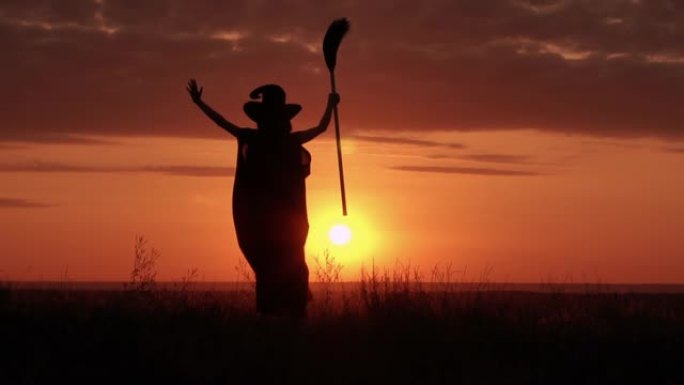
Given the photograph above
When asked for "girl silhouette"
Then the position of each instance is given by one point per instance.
(269, 195)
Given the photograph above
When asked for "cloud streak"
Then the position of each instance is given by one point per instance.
(408, 141)
(194, 171)
(59, 138)
(175, 170)
(17, 203)
(497, 158)
(465, 170)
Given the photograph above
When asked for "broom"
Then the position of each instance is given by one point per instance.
(331, 42)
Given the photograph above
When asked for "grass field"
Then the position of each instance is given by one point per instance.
(383, 330)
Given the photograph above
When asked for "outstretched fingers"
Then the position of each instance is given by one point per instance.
(193, 90)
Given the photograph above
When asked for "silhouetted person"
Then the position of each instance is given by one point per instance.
(269, 196)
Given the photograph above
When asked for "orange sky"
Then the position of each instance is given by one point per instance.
(542, 141)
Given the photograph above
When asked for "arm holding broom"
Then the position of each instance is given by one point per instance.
(307, 135)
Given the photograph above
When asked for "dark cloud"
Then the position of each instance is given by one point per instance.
(177, 170)
(465, 170)
(21, 203)
(677, 150)
(409, 141)
(118, 67)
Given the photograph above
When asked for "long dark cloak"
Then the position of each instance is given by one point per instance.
(270, 216)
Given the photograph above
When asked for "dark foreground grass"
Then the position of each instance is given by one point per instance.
(375, 334)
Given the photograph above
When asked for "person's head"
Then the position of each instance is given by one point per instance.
(271, 113)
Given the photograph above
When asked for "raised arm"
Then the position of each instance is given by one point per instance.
(307, 135)
(196, 95)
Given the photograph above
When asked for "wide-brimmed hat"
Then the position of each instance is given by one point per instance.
(272, 103)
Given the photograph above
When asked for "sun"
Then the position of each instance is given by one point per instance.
(351, 239)
(340, 234)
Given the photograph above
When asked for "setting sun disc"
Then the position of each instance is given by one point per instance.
(340, 234)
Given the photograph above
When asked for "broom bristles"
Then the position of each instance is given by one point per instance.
(331, 41)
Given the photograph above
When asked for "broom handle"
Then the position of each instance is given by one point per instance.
(339, 148)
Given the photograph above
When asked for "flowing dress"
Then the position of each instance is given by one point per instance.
(270, 216)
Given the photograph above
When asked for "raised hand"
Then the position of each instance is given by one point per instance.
(194, 91)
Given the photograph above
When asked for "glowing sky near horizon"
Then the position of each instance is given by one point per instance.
(541, 139)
